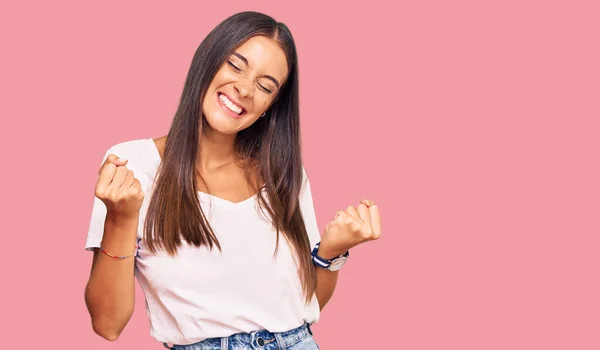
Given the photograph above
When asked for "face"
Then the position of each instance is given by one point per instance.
(245, 85)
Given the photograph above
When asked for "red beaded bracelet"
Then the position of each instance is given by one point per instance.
(119, 257)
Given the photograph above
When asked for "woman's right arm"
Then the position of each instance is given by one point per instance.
(109, 293)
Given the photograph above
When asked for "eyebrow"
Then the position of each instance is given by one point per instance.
(266, 76)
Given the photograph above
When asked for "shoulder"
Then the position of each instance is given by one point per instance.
(141, 154)
(304, 175)
(305, 184)
(132, 148)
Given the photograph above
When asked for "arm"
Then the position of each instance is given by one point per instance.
(326, 280)
(109, 294)
(349, 228)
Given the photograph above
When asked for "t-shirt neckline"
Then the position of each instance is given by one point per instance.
(204, 194)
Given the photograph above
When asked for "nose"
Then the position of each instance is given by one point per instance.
(244, 87)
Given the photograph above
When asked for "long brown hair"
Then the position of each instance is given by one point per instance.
(272, 143)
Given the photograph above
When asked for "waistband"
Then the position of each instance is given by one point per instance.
(256, 339)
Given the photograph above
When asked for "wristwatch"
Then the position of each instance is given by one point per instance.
(329, 264)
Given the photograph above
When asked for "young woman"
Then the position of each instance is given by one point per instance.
(216, 219)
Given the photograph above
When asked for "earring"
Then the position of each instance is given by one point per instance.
(262, 115)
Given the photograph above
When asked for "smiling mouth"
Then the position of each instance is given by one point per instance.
(230, 105)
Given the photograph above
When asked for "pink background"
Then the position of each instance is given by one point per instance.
(473, 125)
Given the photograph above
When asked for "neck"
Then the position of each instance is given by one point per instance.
(215, 150)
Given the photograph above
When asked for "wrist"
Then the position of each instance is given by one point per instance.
(120, 234)
(328, 253)
(121, 220)
(329, 258)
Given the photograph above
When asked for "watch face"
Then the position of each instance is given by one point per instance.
(337, 264)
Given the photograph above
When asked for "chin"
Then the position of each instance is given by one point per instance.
(221, 126)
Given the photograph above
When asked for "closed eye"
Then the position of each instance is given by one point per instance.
(237, 69)
(265, 89)
(234, 66)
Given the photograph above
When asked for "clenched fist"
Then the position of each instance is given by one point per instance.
(117, 187)
(351, 227)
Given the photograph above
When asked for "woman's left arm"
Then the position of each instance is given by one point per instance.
(349, 229)
(326, 280)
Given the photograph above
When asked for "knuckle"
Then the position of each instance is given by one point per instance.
(118, 196)
(112, 158)
(366, 233)
(99, 193)
(107, 167)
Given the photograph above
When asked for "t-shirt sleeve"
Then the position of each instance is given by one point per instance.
(308, 211)
(96, 228)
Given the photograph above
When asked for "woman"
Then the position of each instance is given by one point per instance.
(197, 215)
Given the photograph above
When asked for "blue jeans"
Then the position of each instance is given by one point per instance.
(296, 339)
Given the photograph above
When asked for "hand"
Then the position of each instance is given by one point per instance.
(350, 228)
(117, 187)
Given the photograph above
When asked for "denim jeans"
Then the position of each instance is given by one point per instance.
(296, 339)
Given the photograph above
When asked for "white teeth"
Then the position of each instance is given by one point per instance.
(235, 109)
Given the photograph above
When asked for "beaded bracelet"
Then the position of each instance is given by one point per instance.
(119, 257)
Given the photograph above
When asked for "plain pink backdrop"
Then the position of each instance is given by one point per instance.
(473, 124)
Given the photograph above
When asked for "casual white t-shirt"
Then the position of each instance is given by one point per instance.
(200, 293)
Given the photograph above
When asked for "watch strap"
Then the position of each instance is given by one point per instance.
(322, 262)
